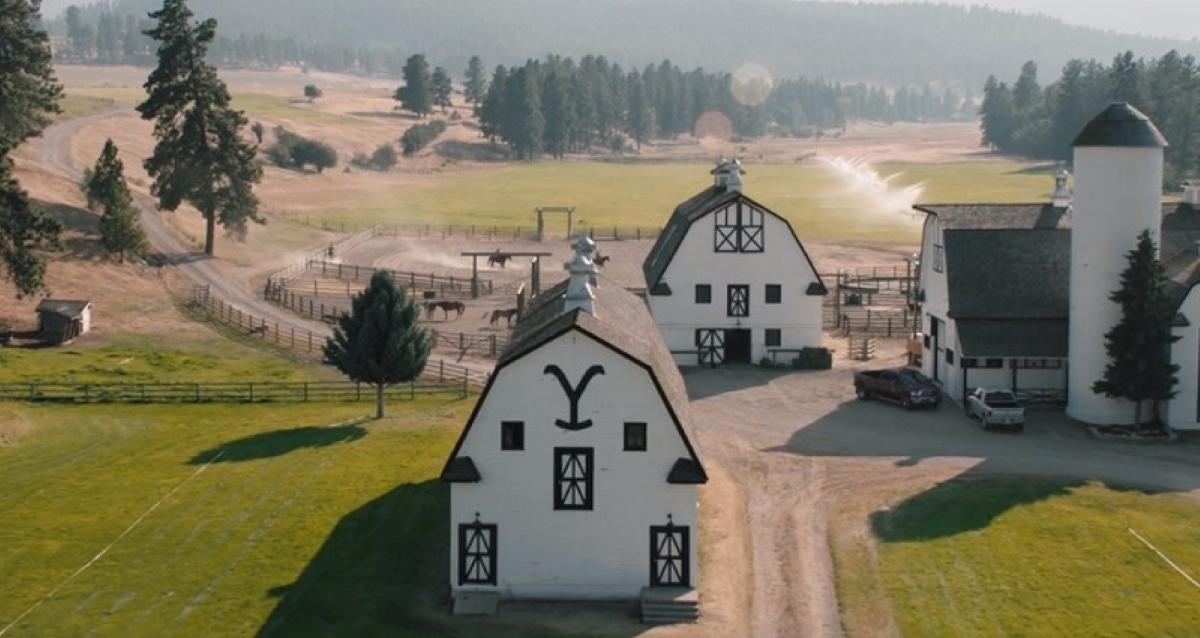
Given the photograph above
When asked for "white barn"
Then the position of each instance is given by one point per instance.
(728, 281)
(576, 476)
(1016, 295)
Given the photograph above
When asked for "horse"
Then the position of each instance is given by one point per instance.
(600, 260)
(446, 306)
(507, 313)
(498, 258)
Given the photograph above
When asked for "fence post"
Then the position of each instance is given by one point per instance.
(306, 392)
(465, 380)
(251, 392)
(197, 392)
(441, 369)
(412, 388)
(357, 391)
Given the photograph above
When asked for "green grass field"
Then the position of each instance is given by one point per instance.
(282, 520)
(819, 204)
(1032, 557)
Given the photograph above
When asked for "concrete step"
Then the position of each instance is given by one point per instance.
(475, 603)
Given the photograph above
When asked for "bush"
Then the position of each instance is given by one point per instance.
(382, 159)
(419, 136)
(814, 359)
(293, 151)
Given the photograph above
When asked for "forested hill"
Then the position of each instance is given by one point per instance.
(892, 44)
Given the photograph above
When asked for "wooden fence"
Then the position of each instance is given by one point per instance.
(489, 345)
(475, 231)
(217, 392)
(445, 286)
(307, 344)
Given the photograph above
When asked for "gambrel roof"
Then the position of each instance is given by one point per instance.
(706, 201)
(622, 323)
(1008, 270)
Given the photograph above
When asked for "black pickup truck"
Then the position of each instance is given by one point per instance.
(900, 385)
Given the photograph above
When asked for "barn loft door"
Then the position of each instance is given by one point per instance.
(477, 553)
(711, 345)
(573, 480)
(669, 554)
(739, 300)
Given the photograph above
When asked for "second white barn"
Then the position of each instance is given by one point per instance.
(729, 281)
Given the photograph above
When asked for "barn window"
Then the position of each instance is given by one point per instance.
(949, 356)
(573, 478)
(738, 301)
(774, 337)
(635, 437)
(994, 363)
(703, 293)
(512, 435)
(739, 229)
(774, 293)
(939, 257)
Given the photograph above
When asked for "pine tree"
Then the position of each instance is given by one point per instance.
(107, 190)
(474, 84)
(378, 341)
(996, 115)
(443, 88)
(491, 111)
(1139, 346)
(417, 93)
(28, 96)
(200, 157)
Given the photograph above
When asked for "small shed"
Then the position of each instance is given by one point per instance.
(61, 320)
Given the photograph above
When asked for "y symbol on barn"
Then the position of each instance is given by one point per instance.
(573, 394)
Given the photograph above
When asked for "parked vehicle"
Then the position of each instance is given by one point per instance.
(996, 408)
(900, 385)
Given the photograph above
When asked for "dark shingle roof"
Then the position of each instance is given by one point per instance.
(1008, 274)
(1120, 125)
(685, 214)
(1014, 338)
(981, 216)
(461, 470)
(668, 241)
(622, 322)
(64, 307)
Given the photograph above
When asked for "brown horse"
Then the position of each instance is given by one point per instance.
(446, 306)
(507, 313)
(600, 260)
(498, 258)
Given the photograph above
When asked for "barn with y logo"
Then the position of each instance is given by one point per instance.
(576, 476)
(729, 281)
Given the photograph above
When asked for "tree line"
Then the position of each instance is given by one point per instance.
(1027, 119)
(895, 44)
(558, 106)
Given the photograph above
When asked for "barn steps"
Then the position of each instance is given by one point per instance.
(669, 605)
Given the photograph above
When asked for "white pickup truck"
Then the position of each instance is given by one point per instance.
(996, 408)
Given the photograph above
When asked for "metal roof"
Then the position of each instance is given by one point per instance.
(1120, 125)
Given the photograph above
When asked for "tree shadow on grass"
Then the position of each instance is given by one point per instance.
(267, 445)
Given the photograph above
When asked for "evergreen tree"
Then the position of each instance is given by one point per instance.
(640, 117)
(200, 157)
(1139, 346)
(474, 84)
(379, 342)
(524, 124)
(1126, 74)
(443, 88)
(1026, 92)
(312, 92)
(107, 190)
(417, 93)
(28, 96)
(996, 114)
(491, 111)
(557, 110)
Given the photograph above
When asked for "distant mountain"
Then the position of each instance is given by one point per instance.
(891, 44)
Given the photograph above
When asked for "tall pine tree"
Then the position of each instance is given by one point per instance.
(417, 93)
(1139, 346)
(107, 190)
(200, 157)
(378, 341)
(28, 96)
(474, 82)
(443, 88)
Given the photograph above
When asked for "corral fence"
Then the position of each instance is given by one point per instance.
(444, 286)
(489, 345)
(475, 231)
(334, 248)
(308, 345)
(881, 301)
(218, 392)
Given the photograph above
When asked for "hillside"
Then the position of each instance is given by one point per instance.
(893, 44)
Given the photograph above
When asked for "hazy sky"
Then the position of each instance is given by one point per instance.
(1159, 18)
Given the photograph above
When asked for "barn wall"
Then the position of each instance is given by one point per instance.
(782, 262)
(598, 554)
(1181, 412)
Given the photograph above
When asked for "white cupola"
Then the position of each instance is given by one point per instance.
(582, 271)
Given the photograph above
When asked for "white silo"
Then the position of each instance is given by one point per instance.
(1118, 194)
